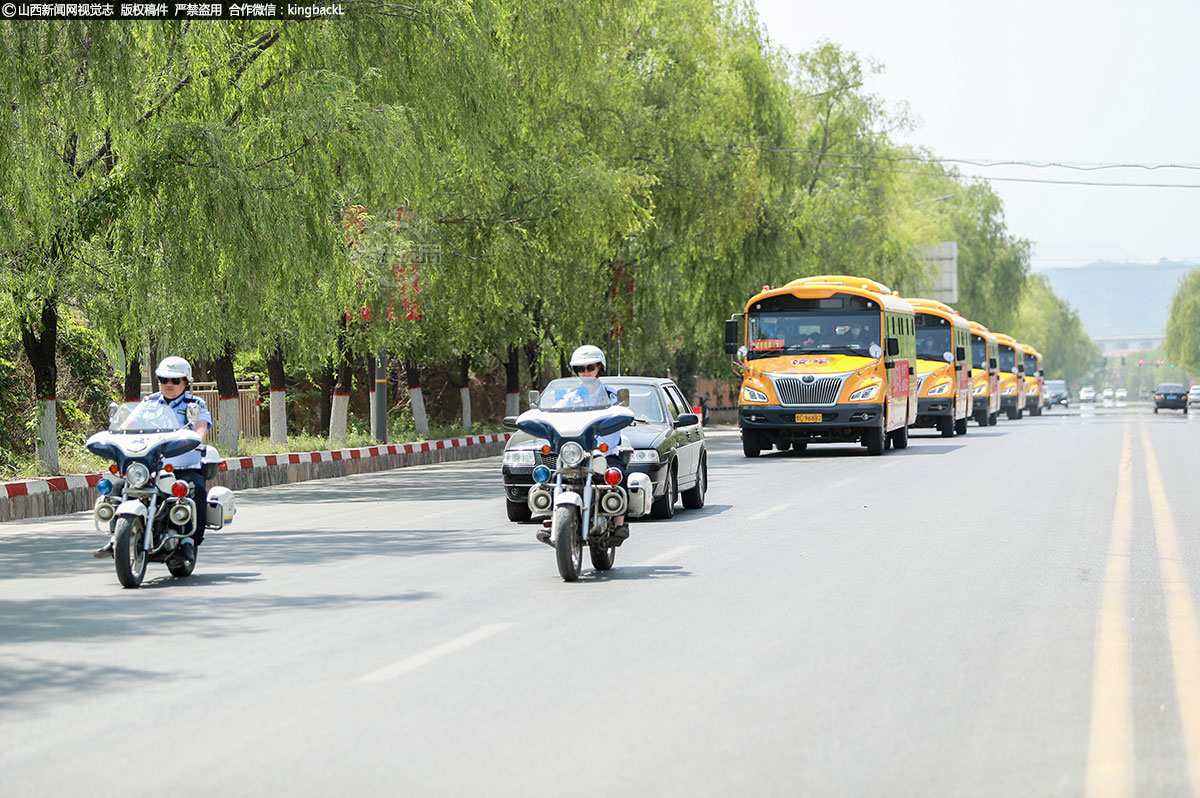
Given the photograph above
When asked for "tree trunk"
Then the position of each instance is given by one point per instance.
(278, 404)
(512, 382)
(464, 392)
(326, 402)
(340, 412)
(40, 339)
(131, 384)
(228, 423)
(533, 361)
(377, 378)
(413, 377)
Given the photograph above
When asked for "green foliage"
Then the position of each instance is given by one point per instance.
(1183, 325)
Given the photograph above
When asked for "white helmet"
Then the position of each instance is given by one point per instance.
(174, 366)
(586, 355)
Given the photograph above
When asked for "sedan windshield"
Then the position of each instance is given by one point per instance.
(1170, 387)
(571, 394)
(643, 401)
(792, 332)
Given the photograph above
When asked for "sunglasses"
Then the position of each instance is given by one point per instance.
(171, 380)
(589, 367)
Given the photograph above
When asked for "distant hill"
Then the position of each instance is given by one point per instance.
(1120, 299)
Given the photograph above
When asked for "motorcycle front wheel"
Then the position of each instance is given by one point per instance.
(568, 543)
(603, 557)
(128, 552)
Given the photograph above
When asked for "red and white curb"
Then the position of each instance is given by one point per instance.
(33, 487)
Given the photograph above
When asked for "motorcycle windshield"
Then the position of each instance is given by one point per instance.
(572, 395)
(144, 418)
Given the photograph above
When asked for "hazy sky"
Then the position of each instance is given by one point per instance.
(1052, 80)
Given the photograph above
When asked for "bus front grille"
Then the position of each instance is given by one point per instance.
(823, 391)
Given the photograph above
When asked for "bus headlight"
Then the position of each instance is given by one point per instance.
(865, 394)
(1010, 390)
(978, 389)
(570, 455)
(751, 395)
(137, 474)
(940, 390)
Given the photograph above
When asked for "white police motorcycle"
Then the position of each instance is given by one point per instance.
(573, 482)
(149, 512)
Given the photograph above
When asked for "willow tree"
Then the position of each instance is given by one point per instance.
(1183, 324)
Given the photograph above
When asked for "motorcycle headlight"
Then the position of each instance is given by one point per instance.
(570, 455)
(137, 475)
(520, 457)
(940, 390)
(751, 395)
(644, 456)
(865, 394)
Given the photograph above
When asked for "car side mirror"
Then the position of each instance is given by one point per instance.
(893, 346)
(960, 354)
(193, 412)
(1041, 372)
(1021, 368)
(510, 422)
(623, 397)
(731, 336)
(992, 363)
(534, 397)
(948, 357)
(687, 420)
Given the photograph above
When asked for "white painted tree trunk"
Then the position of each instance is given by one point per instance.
(47, 438)
(228, 426)
(371, 400)
(338, 419)
(512, 404)
(420, 420)
(465, 395)
(278, 417)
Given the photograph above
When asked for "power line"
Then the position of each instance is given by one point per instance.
(1083, 166)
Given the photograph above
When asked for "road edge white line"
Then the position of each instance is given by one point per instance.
(771, 511)
(408, 664)
(661, 558)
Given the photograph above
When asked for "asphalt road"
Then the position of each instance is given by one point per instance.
(1012, 613)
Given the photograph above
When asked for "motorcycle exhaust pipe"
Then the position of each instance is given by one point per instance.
(613, 502)
(540, 500)
(180, 514)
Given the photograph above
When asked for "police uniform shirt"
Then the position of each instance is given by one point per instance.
(187, 460)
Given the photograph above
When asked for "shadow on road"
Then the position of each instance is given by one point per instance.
(622, 573)
(26, 684)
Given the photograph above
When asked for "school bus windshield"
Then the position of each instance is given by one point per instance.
(1008, 359)
(933, 342)
(1030, 364)
(770, 334)
(979, 351)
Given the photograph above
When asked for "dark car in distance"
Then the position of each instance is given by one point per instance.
(667, 441)
(1170, 395)
(1057, 393)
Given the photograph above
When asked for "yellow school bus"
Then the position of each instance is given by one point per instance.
(825, 360)
(985, 375)
(943, 379)
(1012, 371)
(1034, 384)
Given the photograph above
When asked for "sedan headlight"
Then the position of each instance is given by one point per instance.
(520, 457)
(751, 395)
(644, 456)
(940, 390)
(137, 475)
(865, 394)
(570, 455)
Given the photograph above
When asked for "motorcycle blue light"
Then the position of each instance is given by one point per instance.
(104, 486)
(541, 474)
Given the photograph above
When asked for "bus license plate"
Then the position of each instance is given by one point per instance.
(808, 418)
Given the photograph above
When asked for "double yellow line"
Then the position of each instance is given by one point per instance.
(1111, 764)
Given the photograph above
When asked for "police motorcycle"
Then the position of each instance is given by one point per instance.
(144, 507)
(573, 482)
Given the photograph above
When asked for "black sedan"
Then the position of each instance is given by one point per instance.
(1172, 396)
(1056, 393)
(667, 440)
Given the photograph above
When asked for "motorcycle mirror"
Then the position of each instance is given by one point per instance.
(623, 397)
(534, 396)
(510, 422)
(113, 407)
(193, 412)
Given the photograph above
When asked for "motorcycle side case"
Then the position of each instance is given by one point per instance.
(210, 462)
(221, 508)
(641, 494)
